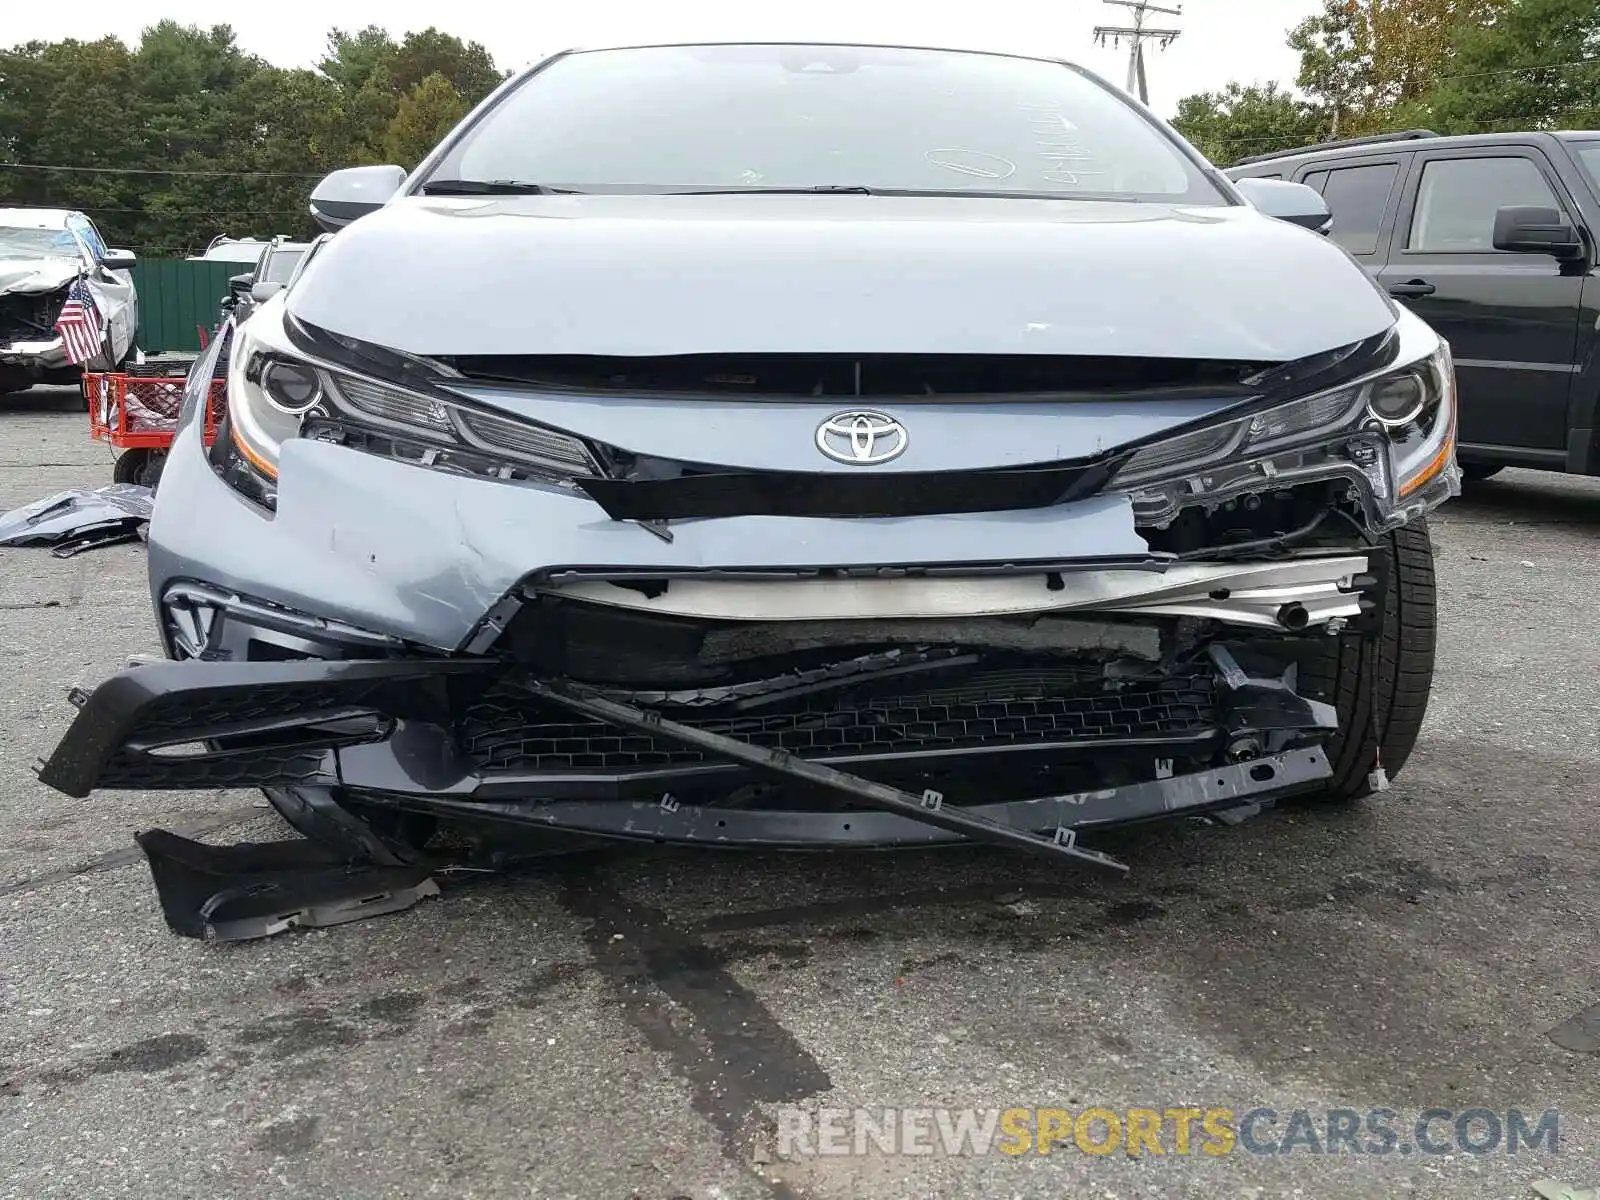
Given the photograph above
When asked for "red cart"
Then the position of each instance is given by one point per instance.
(137, 412)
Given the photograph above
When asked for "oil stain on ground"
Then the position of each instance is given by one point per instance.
(148, 1056)
(733, 1053)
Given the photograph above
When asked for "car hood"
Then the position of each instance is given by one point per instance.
(29, 276)
(835, 274)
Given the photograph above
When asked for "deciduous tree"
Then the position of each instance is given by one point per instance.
(1239, 121)
(185, 135)
(1370, 61)
(1536, 66)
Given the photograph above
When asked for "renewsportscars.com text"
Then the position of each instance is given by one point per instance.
(1214, 1132)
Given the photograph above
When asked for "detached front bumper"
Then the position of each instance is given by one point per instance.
(486, 740)
(36, 357)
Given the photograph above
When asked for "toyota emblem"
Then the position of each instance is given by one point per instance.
(862, 439)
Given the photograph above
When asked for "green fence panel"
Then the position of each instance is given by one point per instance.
(178, 297)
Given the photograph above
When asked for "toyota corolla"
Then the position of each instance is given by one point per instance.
(792, 446)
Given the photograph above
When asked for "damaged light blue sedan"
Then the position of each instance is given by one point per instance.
(797, 446)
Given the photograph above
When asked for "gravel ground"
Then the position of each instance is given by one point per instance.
(635, 1026)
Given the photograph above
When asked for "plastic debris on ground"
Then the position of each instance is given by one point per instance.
(1549, 1189)
(81, 519)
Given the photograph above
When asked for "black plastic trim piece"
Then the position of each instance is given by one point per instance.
(115, 713)
(841, 494)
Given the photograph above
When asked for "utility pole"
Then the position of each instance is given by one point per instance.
(1136, 36)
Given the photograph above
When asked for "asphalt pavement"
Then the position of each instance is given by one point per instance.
(647, 1024)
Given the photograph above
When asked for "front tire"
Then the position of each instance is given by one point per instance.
(1379, 681)
(1477, 472)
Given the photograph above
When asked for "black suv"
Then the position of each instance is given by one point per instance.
(1491, 239)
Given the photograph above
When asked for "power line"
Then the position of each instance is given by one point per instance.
(1136, 35)
(1577, 62)
(236, 214)
(164, 208)
(162, 171)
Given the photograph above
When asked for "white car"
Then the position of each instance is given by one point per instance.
(43, 252)
(227, 249)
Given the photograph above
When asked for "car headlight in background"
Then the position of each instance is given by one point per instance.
(1394, 431)
(276, 393)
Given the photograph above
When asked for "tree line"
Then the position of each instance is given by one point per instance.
(1380, 66)
(183, 137)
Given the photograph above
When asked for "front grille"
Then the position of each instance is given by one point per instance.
(179, 712)
(672, 491)
(506, 730)
(256, 766)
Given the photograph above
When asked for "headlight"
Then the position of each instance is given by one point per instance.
(289, 386)
(276, 393)
(1391, 434)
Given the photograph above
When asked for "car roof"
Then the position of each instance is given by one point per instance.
(36, 218)
(1408, 139)
(237, 250)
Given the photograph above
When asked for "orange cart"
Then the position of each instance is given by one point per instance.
(137, 412)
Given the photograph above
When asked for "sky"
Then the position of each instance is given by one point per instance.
(1222, 39)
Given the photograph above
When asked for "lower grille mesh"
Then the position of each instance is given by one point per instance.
(506, 730)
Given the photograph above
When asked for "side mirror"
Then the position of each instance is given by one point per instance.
(1527, 230)
(240, 283)
(263, 292)
(118, 260)
(1292, 202)
(352, 193)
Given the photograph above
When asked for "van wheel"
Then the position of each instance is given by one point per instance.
(1379, 681)
(1476, 472)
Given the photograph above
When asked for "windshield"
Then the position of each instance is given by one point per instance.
(37, 243)
(1589, 155)
(281, 265)
(705, 117)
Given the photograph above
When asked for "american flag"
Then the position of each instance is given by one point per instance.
(79, 324)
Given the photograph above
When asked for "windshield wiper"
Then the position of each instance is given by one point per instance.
(836, 189)
(841, 189)
(492, 187)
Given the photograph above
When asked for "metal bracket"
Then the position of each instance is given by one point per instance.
(1222, 795)
(1228, 667)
